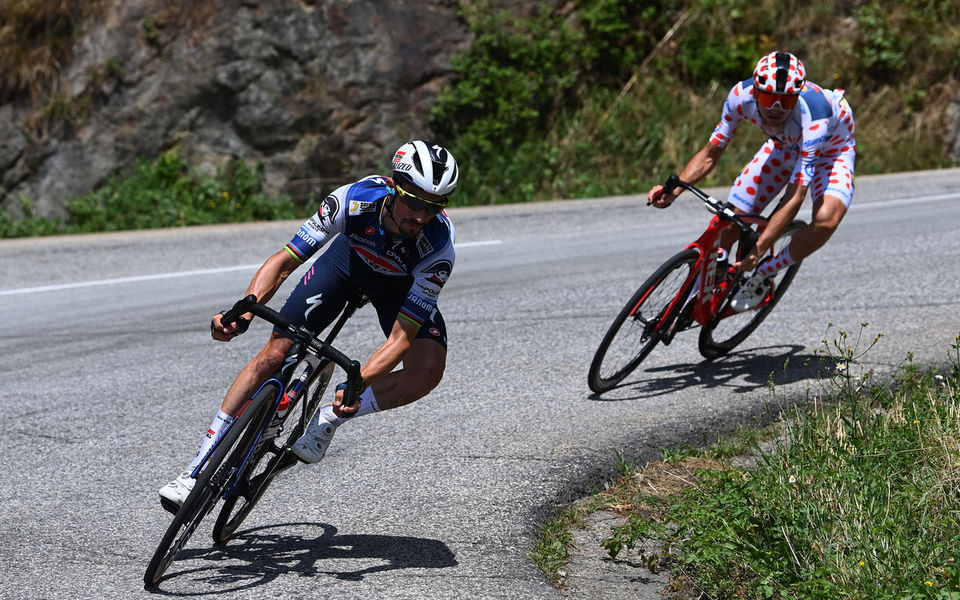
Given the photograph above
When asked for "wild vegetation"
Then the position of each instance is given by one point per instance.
(595, 97)
(36, 37)
(610, 96)
(853, 495)
(165, 192)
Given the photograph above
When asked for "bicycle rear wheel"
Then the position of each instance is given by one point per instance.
(268, 461)
(224, 462)
(729, 328)
(642, 322)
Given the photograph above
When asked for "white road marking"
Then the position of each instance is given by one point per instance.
(154, 277)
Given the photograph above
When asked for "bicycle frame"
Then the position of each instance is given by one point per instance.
(701, 286)
(308, 358)
(711, 293)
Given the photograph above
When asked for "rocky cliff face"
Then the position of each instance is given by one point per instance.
(319, 91)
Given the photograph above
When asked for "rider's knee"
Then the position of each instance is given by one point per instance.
(828, 213)
(271, 357)
(421, 378)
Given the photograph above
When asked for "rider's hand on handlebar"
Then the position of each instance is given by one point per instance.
(224, 333)
(342, 410)
(658, 197)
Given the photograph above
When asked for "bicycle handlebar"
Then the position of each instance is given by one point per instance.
(304, 336)
(721, 209)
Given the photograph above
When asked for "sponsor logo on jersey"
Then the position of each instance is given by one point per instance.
(379, 263)
(370, 230)
(305, 236)
(423, 245)
(360, 240)
(439, 272)
(359, 208)
(430, 292)
(328, 211)
(810, 169)
(417, 300)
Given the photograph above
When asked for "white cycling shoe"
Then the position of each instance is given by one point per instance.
(314, 442)
(752, 293)
(174, 493)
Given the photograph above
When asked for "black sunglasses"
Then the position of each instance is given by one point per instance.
(416, 203)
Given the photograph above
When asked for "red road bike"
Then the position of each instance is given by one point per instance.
(693, 288)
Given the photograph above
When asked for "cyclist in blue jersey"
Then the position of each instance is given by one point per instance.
(395, 245)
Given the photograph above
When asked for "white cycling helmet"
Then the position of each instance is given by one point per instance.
(779, 73)
(427, 166)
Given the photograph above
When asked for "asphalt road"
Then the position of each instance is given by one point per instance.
(110, 378)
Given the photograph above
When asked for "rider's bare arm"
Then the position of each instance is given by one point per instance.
(264, 285)
(699, 167)
(383, 361)
(391, 352)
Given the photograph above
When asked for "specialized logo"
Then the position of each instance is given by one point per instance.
(439, 272)
(312, 302)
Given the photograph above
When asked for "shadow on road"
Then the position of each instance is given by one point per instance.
(258, 556)
(743, 371)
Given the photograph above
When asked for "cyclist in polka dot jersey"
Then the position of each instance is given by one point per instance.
(811, 147)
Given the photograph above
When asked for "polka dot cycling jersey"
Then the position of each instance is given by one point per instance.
(819, 130)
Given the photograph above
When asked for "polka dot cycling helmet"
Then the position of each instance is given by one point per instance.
(779, 73)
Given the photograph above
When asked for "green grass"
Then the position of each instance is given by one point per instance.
(855, 495)
(165, 192)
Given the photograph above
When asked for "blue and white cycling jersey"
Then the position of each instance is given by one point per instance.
(356, 211)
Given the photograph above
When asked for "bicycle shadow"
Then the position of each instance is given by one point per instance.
(257, 556)
(741, 371)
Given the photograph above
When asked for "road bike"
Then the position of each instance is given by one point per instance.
(257, 446)
(693, 288)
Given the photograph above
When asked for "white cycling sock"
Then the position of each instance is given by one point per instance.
(216, 431)
(781, 261)
(368, 404)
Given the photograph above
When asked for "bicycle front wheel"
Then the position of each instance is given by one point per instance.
(642, 322)
(224, 463)
(267, 461)
(729, 328)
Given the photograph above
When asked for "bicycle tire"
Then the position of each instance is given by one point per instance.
(256, 478)
(636, 331)
(210, 485)
(728, 329)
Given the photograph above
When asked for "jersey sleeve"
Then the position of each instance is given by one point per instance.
(733, 113)
(429, 277)
(329, 220)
